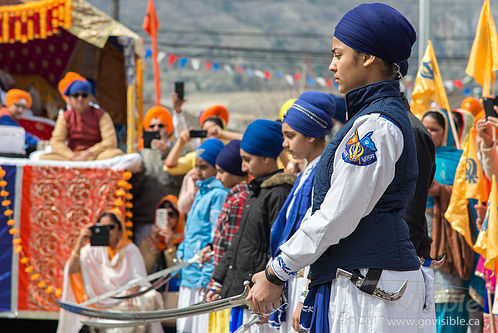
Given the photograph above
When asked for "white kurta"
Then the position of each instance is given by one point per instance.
(354, 192)
(101, 275)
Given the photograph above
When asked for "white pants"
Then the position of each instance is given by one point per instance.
(196, 324)
(351, 310)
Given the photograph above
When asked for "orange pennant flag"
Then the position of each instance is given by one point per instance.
(468, 184)
(483, 59)
(151, 26)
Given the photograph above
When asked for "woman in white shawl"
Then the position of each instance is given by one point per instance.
(94, 270)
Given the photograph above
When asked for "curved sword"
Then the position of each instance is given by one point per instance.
(432, 263)
(135, 283)
(145, 317)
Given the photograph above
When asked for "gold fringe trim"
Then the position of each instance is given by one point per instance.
(28, 21)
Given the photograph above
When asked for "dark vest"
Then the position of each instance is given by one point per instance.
(381, 239)
(83, 129)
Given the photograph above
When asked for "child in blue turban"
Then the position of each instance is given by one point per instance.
(248, 253)
(305, 125)
(362, 184)
(199, 230)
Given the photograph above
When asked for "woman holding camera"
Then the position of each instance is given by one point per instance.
(94, 270)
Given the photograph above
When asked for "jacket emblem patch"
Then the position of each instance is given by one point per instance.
(360, 151)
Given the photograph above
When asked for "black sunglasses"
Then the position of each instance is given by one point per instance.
(172, 213)
(77, 95)
(112, 226)
(158, 125)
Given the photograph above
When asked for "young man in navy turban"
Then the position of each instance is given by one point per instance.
(362, 184)
(249, 252)
(305, 125)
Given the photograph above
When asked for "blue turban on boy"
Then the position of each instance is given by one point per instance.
(311, 114)
(78, 86)
(209, 150)
(379, 30)
(229, 158)
(263, 138)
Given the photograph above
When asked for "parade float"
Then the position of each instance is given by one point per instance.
(44, 204)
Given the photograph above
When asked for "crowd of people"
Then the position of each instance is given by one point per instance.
(322, 222)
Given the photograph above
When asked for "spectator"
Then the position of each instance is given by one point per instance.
(150, 182)
(201, 223)
(159, 249)
(94, 270)
(88, 130)
(229, 172)
(17, 102)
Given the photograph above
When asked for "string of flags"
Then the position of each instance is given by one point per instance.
(463, 85)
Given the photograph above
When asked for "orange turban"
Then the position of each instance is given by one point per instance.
(162, 114)
(69, 78)
(472, 105)
(214, 111)
(15, 95)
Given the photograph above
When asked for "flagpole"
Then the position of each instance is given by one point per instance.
(424, 27)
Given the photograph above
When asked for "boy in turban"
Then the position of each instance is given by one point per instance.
(363, 182)
(199, 230)
(17, 102)
(249, 251)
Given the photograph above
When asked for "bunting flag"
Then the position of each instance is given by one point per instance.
(429, 86)
(483, 59)
(468, 184)
(487, 241)
(151, 25)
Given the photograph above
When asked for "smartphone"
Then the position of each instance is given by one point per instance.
(149, 136)
(198, 133)
(179, 85)
(161, 215)
(100, 235)
(489, 104)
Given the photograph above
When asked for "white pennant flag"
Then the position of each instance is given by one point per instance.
(290, 79)
(321, 81)
(228, 68)
(196, 63)
(259, 74)
(160, 56)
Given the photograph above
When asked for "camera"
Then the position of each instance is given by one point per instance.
(198, 133)
(149, 136)
(179, 86)
(100, 235)
(489, 103)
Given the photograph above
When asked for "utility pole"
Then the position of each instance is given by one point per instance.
(115, 9)
(424, 23)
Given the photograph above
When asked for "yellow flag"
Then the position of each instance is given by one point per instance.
(468, 184)
(483, 60)
(428, 85)
(487, 241)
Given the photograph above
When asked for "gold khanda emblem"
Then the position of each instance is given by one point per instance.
(355, 151)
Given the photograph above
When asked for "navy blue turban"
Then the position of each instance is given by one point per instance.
(340, 108)
(379, 30)
(78, 86)
(229, 158)
(263, 138)
(209, 150)
(311, 114)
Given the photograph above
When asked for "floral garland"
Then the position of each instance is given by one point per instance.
(124, 198)
(33, 20)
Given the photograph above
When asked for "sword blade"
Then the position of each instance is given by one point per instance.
(144, 317)
(136, 283)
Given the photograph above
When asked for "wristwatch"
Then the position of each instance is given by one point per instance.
(272, 278)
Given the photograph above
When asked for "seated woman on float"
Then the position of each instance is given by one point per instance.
(83, 132)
